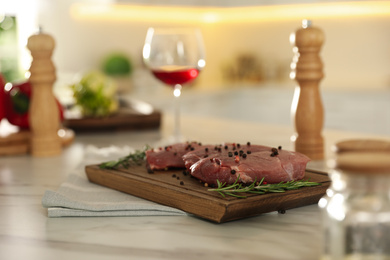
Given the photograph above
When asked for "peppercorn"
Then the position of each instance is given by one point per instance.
(248, 143)
(241, 152)
(233, 171)
(182, 183)
(230, 154)
(226, 147)
(173, 175)
(280, 147)
(206, 149)
(244, 155)
(192, 148)
(175, 153)
(248, 152)
(235, 153)
(238, 145)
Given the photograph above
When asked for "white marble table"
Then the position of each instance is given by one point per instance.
(27, 233)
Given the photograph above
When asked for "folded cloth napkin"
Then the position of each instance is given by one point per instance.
(78, 197)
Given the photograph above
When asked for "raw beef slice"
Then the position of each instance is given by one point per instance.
(248, 163)
(169, 156)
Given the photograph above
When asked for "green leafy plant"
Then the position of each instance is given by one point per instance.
(117, 64)
(95, 94)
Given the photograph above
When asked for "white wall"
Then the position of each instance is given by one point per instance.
(356, 53)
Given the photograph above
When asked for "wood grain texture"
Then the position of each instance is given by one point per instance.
(18, 143)
(193, 197)
(122, 120)
(43, 110)
(362, 145)
(307, 108)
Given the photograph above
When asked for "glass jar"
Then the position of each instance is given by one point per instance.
(356, 208)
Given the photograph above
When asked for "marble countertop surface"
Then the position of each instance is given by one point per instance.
(27, 233)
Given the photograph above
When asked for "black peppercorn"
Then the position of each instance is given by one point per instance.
(244, 155)
(206, 149)
(230, 154)
(280, 147)
(235, 153)
(248, 152)
(226, 147)
(182, 183)
(248, 143)
(233, 171)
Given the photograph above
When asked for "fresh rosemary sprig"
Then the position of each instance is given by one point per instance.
(259, 188)
(136, 157)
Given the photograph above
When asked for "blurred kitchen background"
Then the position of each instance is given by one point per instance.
(247, 46)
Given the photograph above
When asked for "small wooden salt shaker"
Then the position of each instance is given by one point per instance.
(307, 109)
(43, 112)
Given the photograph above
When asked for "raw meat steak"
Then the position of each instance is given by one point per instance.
(169, 156)
(248, 162)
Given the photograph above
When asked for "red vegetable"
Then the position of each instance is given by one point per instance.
(2, 97)
(17, 101)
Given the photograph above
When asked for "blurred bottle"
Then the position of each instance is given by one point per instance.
(356, 207)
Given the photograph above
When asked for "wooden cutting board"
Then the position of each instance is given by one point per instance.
(175, 189)
(128, 117)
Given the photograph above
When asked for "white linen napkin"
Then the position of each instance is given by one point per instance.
(78, 197)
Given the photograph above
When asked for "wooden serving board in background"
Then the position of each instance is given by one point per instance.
(119, 121)
(175, 189)
(129, 117)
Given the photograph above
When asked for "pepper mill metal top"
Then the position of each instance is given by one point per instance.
(307, 110)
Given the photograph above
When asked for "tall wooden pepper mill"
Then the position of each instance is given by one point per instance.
(307, 109)
(44, 113)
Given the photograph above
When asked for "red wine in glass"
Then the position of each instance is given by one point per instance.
(175, 76)
(175, 56)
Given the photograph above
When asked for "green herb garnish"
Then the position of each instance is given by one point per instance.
(137, 157)
(259, 188)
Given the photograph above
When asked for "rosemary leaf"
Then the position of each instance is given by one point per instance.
(260, 188)
(137, 157)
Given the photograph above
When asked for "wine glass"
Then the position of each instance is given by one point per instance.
(175, 56)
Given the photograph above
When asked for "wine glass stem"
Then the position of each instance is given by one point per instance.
(177, 94)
